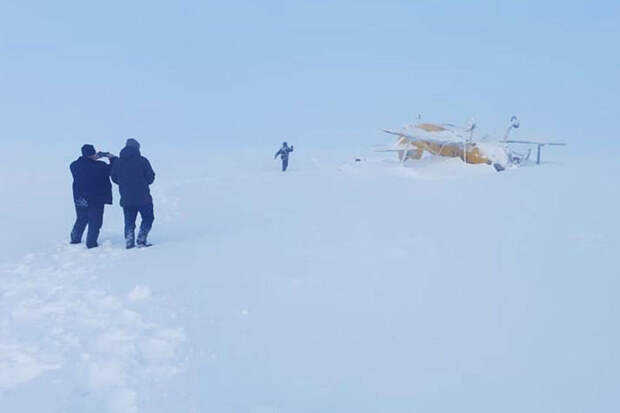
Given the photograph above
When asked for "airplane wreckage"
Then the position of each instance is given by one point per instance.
(448, 140)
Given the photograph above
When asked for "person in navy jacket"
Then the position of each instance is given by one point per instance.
(283, 153)
(92, 190)
(133, 174)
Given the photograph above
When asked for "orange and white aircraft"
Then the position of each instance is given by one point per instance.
(445, 139)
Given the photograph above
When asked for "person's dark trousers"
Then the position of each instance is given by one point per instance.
(87, 215)
(146, 213)
(284, 164)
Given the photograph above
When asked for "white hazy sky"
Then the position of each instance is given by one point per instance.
(310, 71)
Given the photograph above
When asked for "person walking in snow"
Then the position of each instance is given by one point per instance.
(283, 153)
(91, 191)
(133, 174)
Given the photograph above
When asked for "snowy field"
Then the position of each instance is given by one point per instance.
(339, 286)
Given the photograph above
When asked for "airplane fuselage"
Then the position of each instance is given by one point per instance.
(468, 152)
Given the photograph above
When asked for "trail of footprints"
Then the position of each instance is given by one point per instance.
(53, 318)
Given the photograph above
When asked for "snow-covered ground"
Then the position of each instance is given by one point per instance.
(338, 286)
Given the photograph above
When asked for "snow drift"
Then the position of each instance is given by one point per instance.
(338, 286)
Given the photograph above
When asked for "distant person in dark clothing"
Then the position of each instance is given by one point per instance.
(91, 191)
(133, 174)
(283, 154)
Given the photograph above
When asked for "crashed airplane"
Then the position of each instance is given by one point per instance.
(450, 141)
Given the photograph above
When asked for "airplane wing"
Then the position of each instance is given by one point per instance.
(423, 143)
(403, 134)
(388, 148)
(443, 134)
(535, 142)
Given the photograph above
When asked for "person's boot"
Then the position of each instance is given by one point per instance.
(76, 237)
(130, 239)
(141, 241)
(91, 238)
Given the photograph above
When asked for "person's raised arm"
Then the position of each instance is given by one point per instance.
(111, 161)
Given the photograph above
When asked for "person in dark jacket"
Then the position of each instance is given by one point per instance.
(91, 191)
(283, 154)
(133, 174)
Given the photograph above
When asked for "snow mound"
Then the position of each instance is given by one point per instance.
(140, 293)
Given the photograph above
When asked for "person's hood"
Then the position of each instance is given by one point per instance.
(129, 152)
(132, 142)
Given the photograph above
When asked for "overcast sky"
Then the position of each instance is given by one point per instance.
(313, 72)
